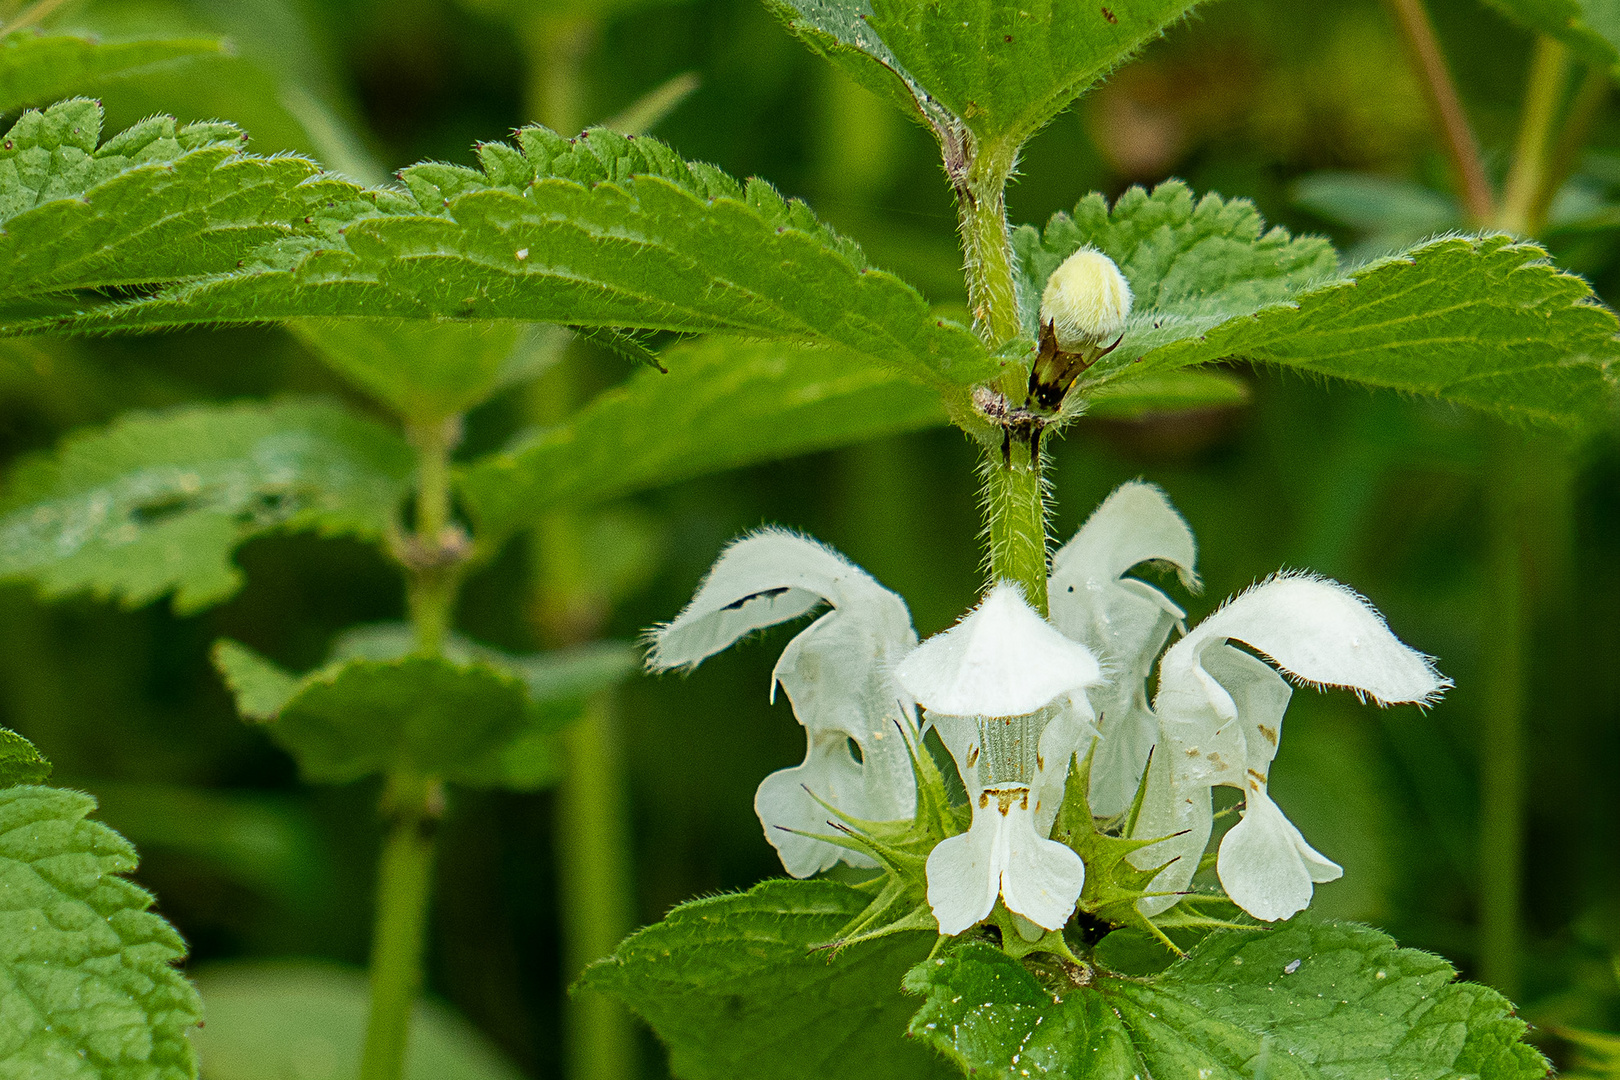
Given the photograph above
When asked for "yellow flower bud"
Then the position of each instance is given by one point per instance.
(1086, 301)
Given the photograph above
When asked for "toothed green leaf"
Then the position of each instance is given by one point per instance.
(477, 717)
(601, 231)
(87, 986)
(157, 502)
(732, 986)
(1301, 1000)
(724, 403)
(20, 763)
(1481, 321)
(1000, 70)
(159, 202)
(35, 68)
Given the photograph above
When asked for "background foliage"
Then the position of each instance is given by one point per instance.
(1267, 99)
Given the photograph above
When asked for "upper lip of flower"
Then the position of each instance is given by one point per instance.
(1001, 659)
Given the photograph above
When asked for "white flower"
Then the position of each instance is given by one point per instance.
(1220, 712)
(1125, 621)
(835, 672)
(1006, 692)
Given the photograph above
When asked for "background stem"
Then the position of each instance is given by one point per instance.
(413, 805)
(592, 830)
(593, 849)
(433, 579)
(1584, 111)
(1501, 749)
(404, 881)
(1526, 182)
(1473, 189)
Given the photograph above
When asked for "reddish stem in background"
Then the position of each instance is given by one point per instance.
(1461, 145)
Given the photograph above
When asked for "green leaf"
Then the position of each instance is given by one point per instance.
(157, 502)
(160, 202)
(732, 986)
(561, 679)
(261, 688)
(724, 403)
(1185, 257)
(1377, 203)
(1167, 392)
(1481, 321)
(419, 716)
(600, 231)
(1297, 1001)
(1001, 70)
(35, 69)
(306, 1020)
(478, 717)
(1590, 27)
(20, 763)
(428, 371)
(87, 986)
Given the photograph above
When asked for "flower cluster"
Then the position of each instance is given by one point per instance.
(1015, 697)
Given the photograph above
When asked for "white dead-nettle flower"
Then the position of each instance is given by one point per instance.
(1220, 713)
(1006, 692)
(1125, 621)
(1086, 301)
(836, 673)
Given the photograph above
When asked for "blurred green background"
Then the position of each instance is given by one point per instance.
(1248, 98)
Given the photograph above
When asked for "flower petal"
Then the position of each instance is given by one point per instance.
(787, 811)
(1042, 878)
(1263, 862)
(1184, 815)
(1135, 524)
(1321, 633)
(960, 734)
(769, 577)
(1064, 735)
(836, 673)
(1002, 659)
(964, 874)
(1124, 621)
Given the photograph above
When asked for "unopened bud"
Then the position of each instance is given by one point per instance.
(1086, 301)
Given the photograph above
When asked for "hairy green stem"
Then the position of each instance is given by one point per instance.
(987, 250)
(1015, 519)
(1014, 493)
(1473, 189)
(404, 882)
(1549, 68)
(1501, 832)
